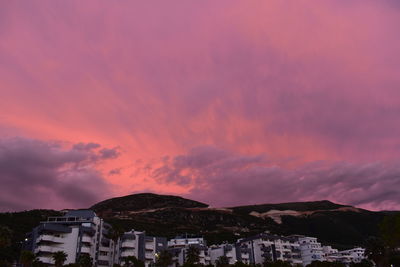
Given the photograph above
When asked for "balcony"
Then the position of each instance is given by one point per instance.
(149, 247)
(44, 248)
(128, 244)
(87, 239)
(49, 238)
(85, 249)
(106, 249)
(229, 255)
(47, 260)
(127, 253)
(149, 256)
(104, 258)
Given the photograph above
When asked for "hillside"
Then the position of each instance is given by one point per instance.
(338, 225)
(144, 201)
(296, 206)
(21, 223)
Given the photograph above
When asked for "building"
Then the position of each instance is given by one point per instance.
(355, 255)
(137, 244)
(266, 247)
(310, 249)
(179, 246)
(182, 242)
(226, 250)
(76, 233)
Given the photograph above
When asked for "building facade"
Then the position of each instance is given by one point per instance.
(76, 233)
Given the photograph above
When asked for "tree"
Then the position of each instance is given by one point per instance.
(132, 261)
(59, 258)
(390, 231)
(240, 264)
(278, 263)
(363, 263)
(4, 263)
(27, 258)
(192, 255)
(5, 236)
(85, 260)
(326, 264)
(38, 263)
(114, 234)
(375, 251)
(222, 261)
(164, 259)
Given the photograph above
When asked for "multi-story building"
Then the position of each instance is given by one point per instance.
(137, 244)
(267, 247)
(179, 246)
(355, 255)
(76, 233)
(347, 257)
(129, 244)
(227, 250)
(82, 232)
(182, 242)
(243, 252)
(310, 249)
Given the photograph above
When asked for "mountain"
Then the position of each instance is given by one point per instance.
(341, 226)
(145, 201)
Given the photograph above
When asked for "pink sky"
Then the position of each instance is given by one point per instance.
(227, 102)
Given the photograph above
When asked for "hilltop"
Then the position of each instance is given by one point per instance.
(342, 226)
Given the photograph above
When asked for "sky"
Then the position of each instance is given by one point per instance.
(225, 102)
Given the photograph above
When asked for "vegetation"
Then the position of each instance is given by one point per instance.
(192, 255)
(341, 229)
(59, 258)
(85, 260)
(132, 261)
(27, 258)
(164, 259)
(326, 264)
(13, 228)
(277, 263)
(383, 250)
(145, 201)
(222, 261)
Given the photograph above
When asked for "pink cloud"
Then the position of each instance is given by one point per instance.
(225, 179)
(307, 80)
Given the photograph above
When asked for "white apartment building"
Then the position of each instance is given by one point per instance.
(272, 247)
(128, 245)
(356, 254)
(77, 232)
(137, 244)
(182, 242)
(243, 252)
(226, 250)
(178, 246)
(310, 249)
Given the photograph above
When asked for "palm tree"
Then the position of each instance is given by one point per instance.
(193, 255)
(164, 259)
(59, 258)
(114, 234)
(27, 258)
